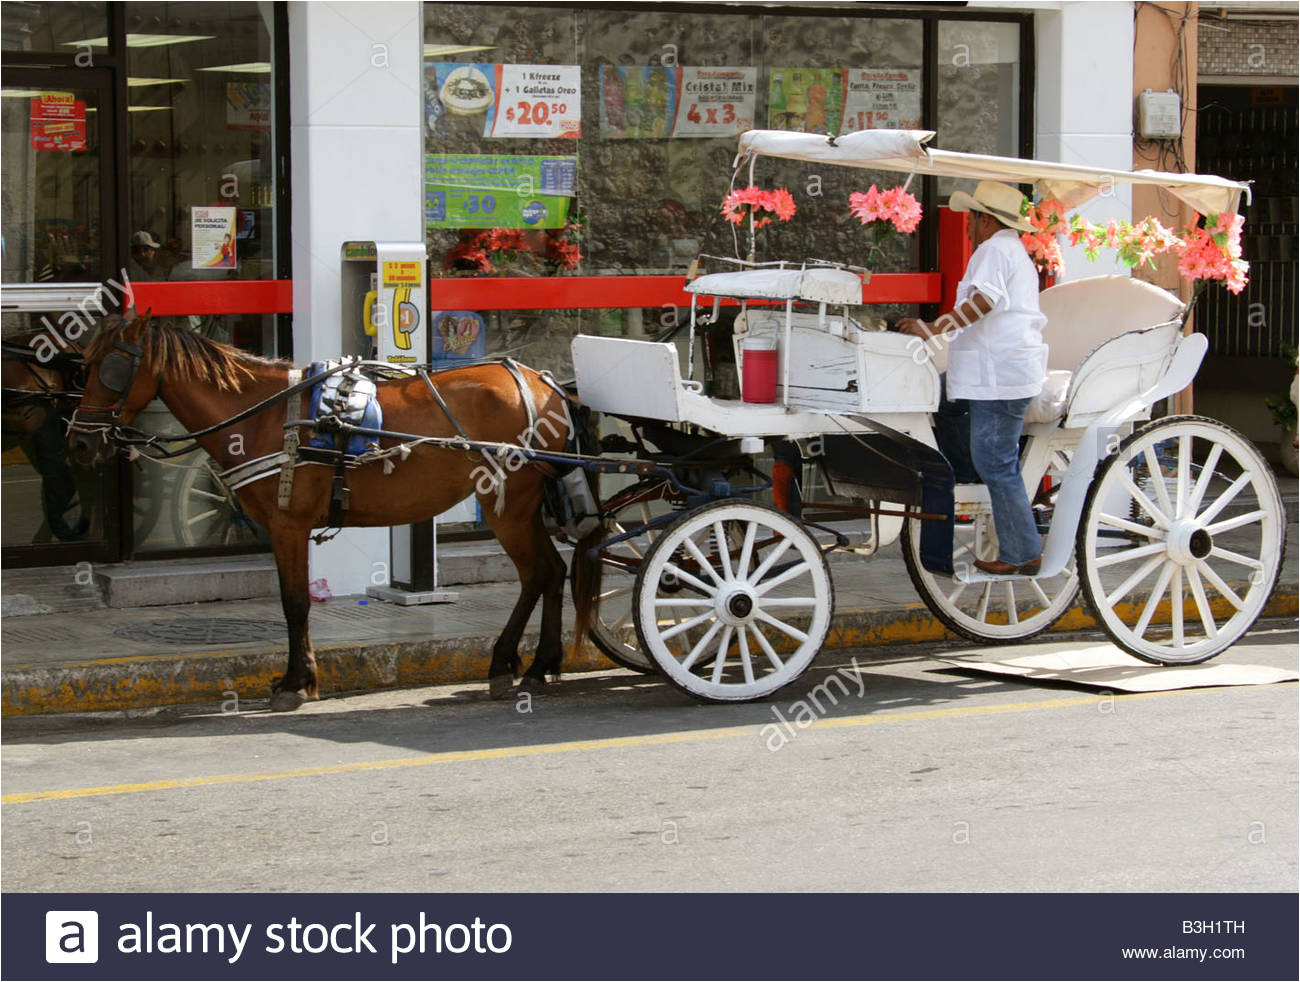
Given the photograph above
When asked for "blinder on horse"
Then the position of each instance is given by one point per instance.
(117, 372)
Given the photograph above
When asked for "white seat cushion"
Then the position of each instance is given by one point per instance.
(1049, 405)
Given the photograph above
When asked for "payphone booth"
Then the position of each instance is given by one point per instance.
(385, 305)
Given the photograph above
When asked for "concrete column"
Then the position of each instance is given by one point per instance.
(356, 142)
(1084, 105)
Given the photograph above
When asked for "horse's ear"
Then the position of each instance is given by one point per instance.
(130, 314)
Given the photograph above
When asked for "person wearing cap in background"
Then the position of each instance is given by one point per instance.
(144, 248)
(997, 362)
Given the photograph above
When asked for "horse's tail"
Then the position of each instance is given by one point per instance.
(585, 584)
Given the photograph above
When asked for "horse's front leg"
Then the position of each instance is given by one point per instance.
(299, 682)
(549, 568)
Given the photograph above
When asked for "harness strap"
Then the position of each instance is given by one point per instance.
(442, 403)
(526, 394)
(284, 495)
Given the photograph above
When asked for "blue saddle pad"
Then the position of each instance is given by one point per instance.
(360, 409)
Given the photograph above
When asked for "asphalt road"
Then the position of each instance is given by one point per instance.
(914, 779)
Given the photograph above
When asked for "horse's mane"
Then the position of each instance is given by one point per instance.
(185, 354)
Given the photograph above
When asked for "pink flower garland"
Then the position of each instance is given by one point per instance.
(779, 202)
(893, 207)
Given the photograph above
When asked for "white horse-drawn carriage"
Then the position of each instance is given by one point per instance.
(1173, 527)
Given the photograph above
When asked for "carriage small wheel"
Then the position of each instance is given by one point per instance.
(1181, 540)
(992, 612)
(612, 629)
(733, 601)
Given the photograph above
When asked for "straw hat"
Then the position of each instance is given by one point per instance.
(1002, 201)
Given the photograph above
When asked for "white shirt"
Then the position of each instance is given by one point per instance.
(1001, 355)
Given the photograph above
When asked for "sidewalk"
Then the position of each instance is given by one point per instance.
(74, 659)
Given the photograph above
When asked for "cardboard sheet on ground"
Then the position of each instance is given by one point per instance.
(1104, 666)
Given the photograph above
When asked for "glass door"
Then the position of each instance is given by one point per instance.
(58, 242)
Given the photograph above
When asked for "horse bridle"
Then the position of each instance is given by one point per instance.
(117, 373)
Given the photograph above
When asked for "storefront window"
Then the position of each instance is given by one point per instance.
(979, 90)
(58, 27)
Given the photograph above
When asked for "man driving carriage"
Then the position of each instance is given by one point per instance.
(997, 362)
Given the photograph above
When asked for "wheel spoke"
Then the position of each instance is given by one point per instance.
(682, 602)
(1128, 555)
(701, 645)
(746, 552)
(1123, 523)
(1013, 616)
(1216, 581)
(1202, 603)
(982, 614)
(781, 626)
(743, 643)
(1140, 497)
(1236, 522)
(1127, 586)
(1153, 601)
(772, 656)
(790, 602)
(777, 552)
(1203, 482)
(1225, 499)
(720, 661)
(1158, 479)
(617, 592)
(961, 588)
(198, 518)
(199, 493)
(686, 625)
(686, 577)
(1039, 592)
(1236, 557)
(700, 558)
(797, 570)
(622, 622)
(1184, 474)
(724, 550)
(1176, 606)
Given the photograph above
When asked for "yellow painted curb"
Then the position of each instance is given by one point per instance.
(220, 676)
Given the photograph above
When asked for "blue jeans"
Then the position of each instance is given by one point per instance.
(982, 437)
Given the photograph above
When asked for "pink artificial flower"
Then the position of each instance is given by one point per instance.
(779, 202)
(893, 206)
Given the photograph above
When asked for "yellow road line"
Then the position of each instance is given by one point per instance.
(609, 743)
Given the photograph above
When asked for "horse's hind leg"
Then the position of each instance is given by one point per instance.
(299, 682)
(522, 536)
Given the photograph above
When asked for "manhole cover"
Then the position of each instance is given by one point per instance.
(201, 630)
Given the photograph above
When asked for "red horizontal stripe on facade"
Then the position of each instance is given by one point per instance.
(173, 299)
(574, 292)
(494, 293)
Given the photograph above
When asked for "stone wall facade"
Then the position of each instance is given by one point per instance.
(1247, 47)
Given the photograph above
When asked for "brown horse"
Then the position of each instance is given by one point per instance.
(204, 383)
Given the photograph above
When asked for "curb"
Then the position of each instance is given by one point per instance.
(140, 683)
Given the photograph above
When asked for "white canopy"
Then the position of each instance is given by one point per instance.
(905, 151)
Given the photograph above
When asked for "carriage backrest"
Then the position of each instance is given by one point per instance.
(1082, 314)
(1118, 370)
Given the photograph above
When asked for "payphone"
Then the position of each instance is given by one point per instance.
(385, 301)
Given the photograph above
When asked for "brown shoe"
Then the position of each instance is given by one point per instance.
(998, 568)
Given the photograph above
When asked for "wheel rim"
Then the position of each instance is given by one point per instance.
(740, 622)
(1191, 573)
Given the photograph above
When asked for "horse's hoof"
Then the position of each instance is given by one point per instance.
(286, 700)
(499, 686)
(532, 686)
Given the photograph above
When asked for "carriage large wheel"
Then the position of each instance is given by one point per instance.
(612, 630)
(206, 513)
(736, 622)
(1204, 552)
(995, 611)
